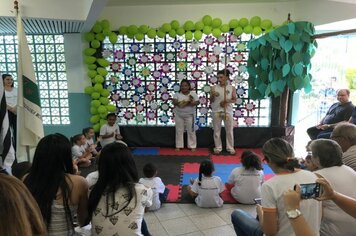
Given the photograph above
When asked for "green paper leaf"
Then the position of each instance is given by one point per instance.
(262, 40)
(281, 84)
(297, 57)
(298, 46)
(270, 76)
(286, 69)
(264, 64)
(294, 38)
(305, 37)
(273, 36)
(283, 30)
(288, 46)
(268, 90)
(298, 69)
(291, 28)
(274, 86)
(275, 44)
(262, 88)
(298, 82)
(264, 76)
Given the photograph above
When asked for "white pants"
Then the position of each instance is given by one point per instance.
(185, 122)
(229, 128)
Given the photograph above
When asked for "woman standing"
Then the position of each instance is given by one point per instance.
(11, 101)
(185, 102)
(59, 193)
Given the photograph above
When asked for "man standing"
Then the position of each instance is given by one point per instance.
(345, 135)
(338, 112)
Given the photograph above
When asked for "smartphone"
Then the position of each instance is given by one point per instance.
(258, 200)
(308, 191)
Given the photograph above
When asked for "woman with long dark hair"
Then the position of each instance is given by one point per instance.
(59, 193)
(117, 201)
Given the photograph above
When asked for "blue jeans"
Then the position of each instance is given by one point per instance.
(245, 224)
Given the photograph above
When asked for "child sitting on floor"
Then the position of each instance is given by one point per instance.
(207, 188)
(89, 142)
(247, 180)
(110, 132)
(81, 156)
(160, 192)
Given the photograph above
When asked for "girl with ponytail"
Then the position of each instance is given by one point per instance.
(206, 188)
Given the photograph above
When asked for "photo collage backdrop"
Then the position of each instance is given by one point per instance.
(144, 75)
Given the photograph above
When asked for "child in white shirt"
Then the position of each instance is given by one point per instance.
(89, 143)
(207, 188)
(80, 154)
(110, 132)
(247, 180)
(160, 192)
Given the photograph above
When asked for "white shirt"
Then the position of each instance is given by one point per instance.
(77, 151)
(187, 110)
(157, 187)
(208, 192)
(92, 178)
(11, 97)
(272, 200)
(107, 129)
(215, 106)
(247, 184)
(335, 221)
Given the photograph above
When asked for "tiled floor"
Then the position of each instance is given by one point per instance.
(188, 219)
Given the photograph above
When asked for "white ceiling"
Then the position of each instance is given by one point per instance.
(178, 2)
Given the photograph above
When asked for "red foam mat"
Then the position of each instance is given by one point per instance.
(174, 192)
(184, 152)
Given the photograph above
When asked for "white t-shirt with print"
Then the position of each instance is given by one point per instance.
(77, 151)
(125, 222)
(272, 200)
(157, 187)
(187, 110)
(107, 129)
(247, 184)
(335, 221)
(208, 192)
(215, 106)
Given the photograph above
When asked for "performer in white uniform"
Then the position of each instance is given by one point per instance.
(222, 97)
(185, 102)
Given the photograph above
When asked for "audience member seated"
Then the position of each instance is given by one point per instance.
(206, 188)
(81, 155)
(247, 180)
(338, 112)
(345, 135)
(151, 180)
(89, 141)
(327, 154)
(59, 193)
(279, 156)
(19, 212)
(19, 170)
(117, 201)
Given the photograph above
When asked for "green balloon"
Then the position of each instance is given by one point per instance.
(89, 36)
(95, 119)
(95, 103)
(238, 31)
(207, 20)
(255, 21)
(151, 33)
(89, 59)
(93, 110)
(166, 27)
(105, 24)
(102, 109)
(216, 33)
(216, 23)
(266, 24)
(199, 25)
(89, 51)
(198, 35)
(99, 79)
(188, 35)
(130, 36)
(139, 36)
(95, 43)
(111, 108)
(207, 30)
(106, 32)
(102, 122)
(103, 62)
(248, 29)
(143, 29)
(105, 93)
(188, 25)
(174, 24)
(225, 28)
(132, 29)
(96, 127)
(243, 22)
(234, 23)
(98, 87)
(104, 115)
(102, 71)
(257, 31)
(172, 33)
(100, 36)
(122, 30)
(92, 67)
(180, 31)
(104, 100)
(113, 38)
(89, 90)
(95, 95)
(161, 34)
(97, 28)
(92, 73)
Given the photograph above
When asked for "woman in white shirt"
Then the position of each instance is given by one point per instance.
(11, 101)
(185, 102)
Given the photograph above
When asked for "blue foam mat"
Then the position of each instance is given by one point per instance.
(146, 151)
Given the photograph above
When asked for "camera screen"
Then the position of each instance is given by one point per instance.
(258, 200)
(309, 190)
